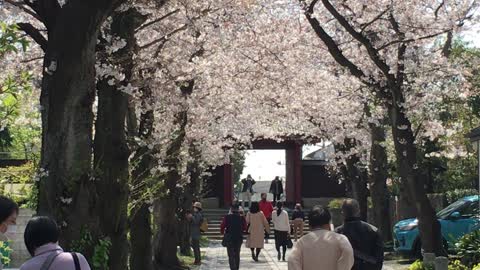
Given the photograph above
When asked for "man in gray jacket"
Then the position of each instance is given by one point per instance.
(196, 220)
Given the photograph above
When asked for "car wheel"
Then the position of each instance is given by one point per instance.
(417, 249)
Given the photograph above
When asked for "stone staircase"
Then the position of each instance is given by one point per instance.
(215, 216)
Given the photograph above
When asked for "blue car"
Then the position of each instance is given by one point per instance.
(456, 220)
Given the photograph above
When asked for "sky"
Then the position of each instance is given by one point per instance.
(264, 165)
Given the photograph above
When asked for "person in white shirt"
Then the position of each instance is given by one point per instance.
(281, 227)
(321, 248)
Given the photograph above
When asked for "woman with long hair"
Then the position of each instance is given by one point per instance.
(257, 225)
(281, 227)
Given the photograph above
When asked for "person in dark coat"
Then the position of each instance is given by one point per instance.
(365, 239)
(247, 190)
(196, 220)
(232, 227)
(276, 188)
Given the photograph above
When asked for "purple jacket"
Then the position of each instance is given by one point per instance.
(63, 261)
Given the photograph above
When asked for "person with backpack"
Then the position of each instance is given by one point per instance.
(41, 239)
(196, 225)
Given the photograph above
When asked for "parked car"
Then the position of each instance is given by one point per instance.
(456, 220)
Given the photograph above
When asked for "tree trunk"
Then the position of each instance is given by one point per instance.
(68, 85)
(140, 216)
(187, 197)
(111, 151)
(165, 241)
(406, 154)
(378, 182)
(141, 238)
(358, 181)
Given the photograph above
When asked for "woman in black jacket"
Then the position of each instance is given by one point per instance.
(232, 228)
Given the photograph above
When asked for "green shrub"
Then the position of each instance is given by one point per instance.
(418, 265)
(5, 252)
(468, 248)
(476, 267)
(335, 203)
(457, 265)
(456, 194)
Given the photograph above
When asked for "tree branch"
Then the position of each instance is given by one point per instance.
(372, 52)
(164, 38)
(25, 9)
(333, 49)
(413, 39)
(47, 10)
(35, 34)
(447, 47)
(378, 17)
(156, 20)
(401, 50)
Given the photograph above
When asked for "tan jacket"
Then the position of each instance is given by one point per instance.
(321, 250)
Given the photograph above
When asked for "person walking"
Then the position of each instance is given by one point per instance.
(276, 188)
(232, 227)
(41, 239)
(8, 220)
(247, 190)
(365, 239)
(257, 226)
(298, 219)
(281, 227)
(267, 208)
(196, 220)
(321, 248)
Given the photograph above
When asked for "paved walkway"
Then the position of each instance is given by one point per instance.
(216, 259)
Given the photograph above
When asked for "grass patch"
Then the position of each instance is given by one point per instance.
(189, 260)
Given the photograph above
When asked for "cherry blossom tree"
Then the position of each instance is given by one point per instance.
(389, 47)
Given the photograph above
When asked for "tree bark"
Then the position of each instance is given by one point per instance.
(378, 182)
(111, 152)
(140, 216)
(165, 240)
(406, 154)
(68, 84)
(355, 177)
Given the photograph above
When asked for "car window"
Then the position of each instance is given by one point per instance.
(469, 210)
(444, 213)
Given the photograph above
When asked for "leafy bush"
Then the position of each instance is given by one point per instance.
(477, 267)
(468, 248)
(418, 265)
(5, 252)
(335, 203)
(457, 265)
(17, 182)
(456, 194)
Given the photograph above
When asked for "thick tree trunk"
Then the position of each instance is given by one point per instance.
(355, 177)
(67, 192)
(187, 198)
(406, 154)
(140, 216)
(359, 188)
(165, 240)
(378, 182)
(111, 150)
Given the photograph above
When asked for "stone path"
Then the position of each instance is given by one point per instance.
(216, 259)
